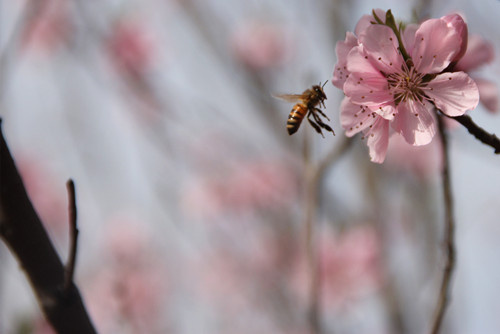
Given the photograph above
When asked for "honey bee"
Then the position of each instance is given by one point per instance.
(307, 104)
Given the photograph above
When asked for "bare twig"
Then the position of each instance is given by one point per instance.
(70, 265)
(444, 292)
(486, 138)
(23, 232)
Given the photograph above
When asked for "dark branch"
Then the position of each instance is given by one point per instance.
(70, 265)
(486, 138)
(444, 292)
(24, 234)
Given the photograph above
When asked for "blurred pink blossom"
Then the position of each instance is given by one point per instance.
(127, 240)
(260, 45)
(49, 28)
(247, 186)
(126, 298)
(243, 277)
(131, 47)
(349, 266)
(128, 292)
(221, 280)
(480, 52)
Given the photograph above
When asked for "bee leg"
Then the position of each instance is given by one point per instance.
(327, 128)
(316, 117)
(322, 113)
(321, 123)
(315, 126)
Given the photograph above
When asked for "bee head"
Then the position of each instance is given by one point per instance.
(319, 90)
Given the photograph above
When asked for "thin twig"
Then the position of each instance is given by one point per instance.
(444, 292)
(70, 265)
(24, 234)
(486, 138)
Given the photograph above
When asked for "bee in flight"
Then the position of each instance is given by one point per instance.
(307, 104)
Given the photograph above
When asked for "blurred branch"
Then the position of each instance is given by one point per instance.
(24, 234)
(313, 176)
(313, 312)
(70, 266)
(486, 138)
(444, 292)
(390, 293)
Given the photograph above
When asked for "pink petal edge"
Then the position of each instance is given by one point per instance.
(453, 93)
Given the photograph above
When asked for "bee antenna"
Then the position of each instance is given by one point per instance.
(323, 84)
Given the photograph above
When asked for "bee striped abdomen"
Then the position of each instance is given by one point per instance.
(296, 116)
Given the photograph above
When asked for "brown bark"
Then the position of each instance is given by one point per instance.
(25, 236)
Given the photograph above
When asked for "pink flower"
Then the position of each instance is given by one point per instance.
(355, 118)
(340, 73)
(401, 85)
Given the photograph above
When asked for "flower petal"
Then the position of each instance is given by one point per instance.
(388, 111)
(365, 85)
(488, 94)
(354, 118)
(436, 44)
(453, 93)
(381, 46)
(479, 52)
(378, 139)
(456, 22)
(409, 37)
(415, 121)
(340, 72)
(366, 20)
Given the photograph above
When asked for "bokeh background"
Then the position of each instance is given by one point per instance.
(192, 197)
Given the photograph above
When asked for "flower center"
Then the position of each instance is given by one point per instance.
(406, 84)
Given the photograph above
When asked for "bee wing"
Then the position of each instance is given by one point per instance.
(289, 97)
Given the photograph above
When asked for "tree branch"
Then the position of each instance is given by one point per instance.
(486, 138)
(24, 234)
(444, 292)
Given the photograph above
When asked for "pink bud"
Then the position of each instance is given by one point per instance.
(456, 22)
